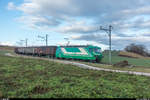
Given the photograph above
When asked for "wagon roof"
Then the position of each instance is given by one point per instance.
(37, 46)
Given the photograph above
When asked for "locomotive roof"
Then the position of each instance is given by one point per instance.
(76, 46)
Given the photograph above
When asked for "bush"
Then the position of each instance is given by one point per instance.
(139, 49)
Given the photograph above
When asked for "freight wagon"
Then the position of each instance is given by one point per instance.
(79, 52)
(39, 51)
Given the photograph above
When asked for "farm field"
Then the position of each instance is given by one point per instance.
(32, 78)
(134, 61)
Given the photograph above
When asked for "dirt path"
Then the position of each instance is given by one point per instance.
(82, 65)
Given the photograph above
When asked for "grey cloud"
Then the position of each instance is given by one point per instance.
(146, 34)
(38, 21)
(117, 41)
(78, 29)
(106, 10)
(47, 22)
(124, 15)
(103, 11)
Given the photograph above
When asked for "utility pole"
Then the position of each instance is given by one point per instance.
(108, 30)
(44, 38)
(67, 40)
(26, 41)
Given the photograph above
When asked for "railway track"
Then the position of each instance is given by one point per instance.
(81, 65)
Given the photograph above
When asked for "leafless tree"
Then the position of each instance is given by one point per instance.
(139, 49)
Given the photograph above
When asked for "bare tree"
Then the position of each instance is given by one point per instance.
(139, 49)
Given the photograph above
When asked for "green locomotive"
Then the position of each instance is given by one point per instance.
(89, 52)
(80, 52)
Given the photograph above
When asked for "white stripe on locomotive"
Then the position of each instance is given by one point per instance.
(82, 51)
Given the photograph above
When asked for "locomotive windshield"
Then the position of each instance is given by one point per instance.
(96, 50)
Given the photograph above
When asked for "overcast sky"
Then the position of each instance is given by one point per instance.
(78, 20)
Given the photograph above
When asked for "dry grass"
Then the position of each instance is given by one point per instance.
(131, 55)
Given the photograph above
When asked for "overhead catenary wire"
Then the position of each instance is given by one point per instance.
(44, 38)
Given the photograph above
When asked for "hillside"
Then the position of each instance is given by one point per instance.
(32, 78)
(134, 61)
(3, 47)
(131, 55)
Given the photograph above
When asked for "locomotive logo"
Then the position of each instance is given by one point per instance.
(82, 51)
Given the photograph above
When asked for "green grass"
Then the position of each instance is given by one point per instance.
(32, 78)
(2, 52)
(135, 68)
(134, 61)
(140, 64)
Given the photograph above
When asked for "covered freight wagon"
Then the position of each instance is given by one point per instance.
(45, 51)
(40, 51)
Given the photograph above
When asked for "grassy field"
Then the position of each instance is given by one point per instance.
(134, 61)
(140, 64)
(2, 52)
(32, 78)
(135, 68)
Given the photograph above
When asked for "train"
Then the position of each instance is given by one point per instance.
(75, 52)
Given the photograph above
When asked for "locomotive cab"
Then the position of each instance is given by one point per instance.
(96, 51)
